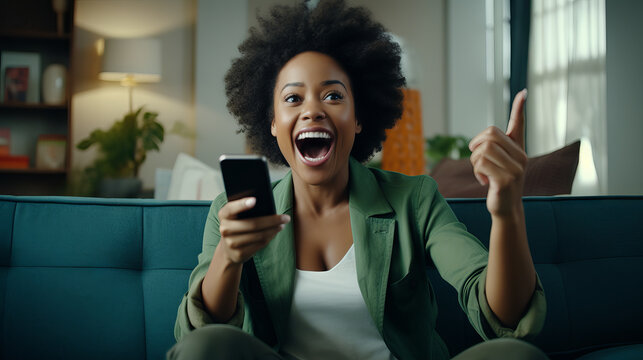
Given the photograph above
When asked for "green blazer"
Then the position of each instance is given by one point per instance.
(399, 224)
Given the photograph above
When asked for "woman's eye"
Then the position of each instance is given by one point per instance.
(334, 96)
(292, 98)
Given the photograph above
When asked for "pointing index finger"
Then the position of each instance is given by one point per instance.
(516, 126)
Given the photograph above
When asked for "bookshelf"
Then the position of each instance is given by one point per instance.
(31, 27)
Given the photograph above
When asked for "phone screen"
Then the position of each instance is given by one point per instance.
(245, 176)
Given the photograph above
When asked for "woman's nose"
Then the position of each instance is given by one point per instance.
(313, 111)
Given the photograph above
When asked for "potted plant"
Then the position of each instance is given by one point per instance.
(441, 146)
(122, 150)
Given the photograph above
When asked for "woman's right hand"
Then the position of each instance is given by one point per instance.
(242, 238)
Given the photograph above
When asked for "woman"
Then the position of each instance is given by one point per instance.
(340, 271)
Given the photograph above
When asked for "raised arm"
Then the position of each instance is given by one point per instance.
(499, 160)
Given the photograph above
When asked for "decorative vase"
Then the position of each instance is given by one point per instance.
(54, 84)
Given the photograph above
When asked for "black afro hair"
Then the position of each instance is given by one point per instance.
(347, 34)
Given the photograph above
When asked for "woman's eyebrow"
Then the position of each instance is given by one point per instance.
(323, 83)
(299, 84)
(331, 82)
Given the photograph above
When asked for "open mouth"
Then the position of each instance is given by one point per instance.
(314, 146)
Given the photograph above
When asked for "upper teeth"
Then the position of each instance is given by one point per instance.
(313, 134)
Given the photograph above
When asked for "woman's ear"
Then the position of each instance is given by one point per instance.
(358, 127)
(273, 130)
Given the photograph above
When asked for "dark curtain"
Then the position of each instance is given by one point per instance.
(520, 22)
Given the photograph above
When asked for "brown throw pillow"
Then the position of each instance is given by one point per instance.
(549, 174)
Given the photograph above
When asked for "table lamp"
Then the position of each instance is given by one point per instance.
(131, 61)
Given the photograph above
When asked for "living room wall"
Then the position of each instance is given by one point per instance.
(624, 95)
(221, 26)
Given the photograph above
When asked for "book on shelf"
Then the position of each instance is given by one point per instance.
(14, 162)
(5, 141)
(8, 161)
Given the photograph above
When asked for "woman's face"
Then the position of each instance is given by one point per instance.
(314, 117)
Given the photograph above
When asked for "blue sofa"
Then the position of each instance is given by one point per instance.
(84, 278)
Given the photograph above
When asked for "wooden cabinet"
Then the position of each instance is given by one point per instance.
(31, 27)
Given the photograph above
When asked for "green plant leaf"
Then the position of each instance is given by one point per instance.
(150, 115)
(85, 144)
(441, 146)
(122, 148)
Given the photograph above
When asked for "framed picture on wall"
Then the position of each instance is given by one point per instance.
(16, 83)
(50, 152)
(12, 72)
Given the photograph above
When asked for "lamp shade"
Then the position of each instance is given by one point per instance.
(137, 60)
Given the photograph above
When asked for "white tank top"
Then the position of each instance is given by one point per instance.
(329, 318)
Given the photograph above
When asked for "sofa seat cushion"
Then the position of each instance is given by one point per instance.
(629, 352)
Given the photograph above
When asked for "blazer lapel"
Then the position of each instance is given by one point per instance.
(276, 263)
(373, 228)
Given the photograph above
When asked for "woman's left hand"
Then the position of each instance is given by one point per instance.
(499, 160)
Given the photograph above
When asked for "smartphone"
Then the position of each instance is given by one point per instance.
(245, 176)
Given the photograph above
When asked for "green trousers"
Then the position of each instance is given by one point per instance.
(228, 342)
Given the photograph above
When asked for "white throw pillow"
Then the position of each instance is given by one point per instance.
(194, 180)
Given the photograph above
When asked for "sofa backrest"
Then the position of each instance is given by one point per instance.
(100, 278)
(94, 278)
(588, 253)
